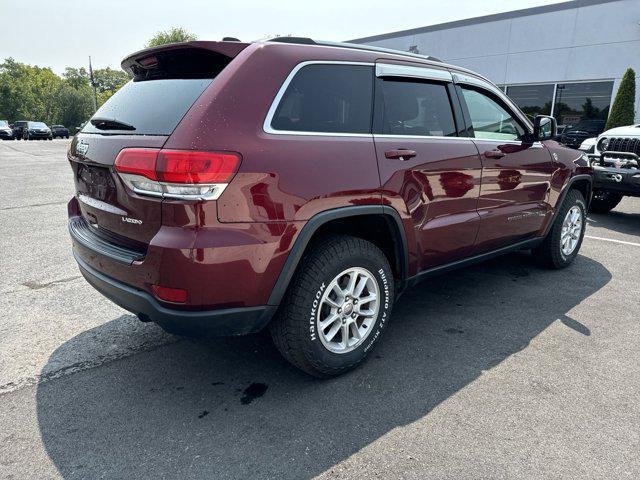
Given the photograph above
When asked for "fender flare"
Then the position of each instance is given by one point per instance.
(563, 194)
(314, 223)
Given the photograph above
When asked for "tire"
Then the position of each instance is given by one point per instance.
(604, 201)
(551, 253)
(295, 330)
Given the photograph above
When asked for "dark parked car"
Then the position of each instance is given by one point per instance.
(214, 199)
(575, 135)
(59, 131)
(6, 133)
(36, 131)
(19, 128)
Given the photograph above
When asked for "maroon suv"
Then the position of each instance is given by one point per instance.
(303, 185)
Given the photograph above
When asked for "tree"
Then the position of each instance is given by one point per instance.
(75, 105)
(77, 77)
(109, 80)
(173, 35)
(623, 110)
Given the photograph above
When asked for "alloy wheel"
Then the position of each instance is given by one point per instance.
(348, 310)
(571, 230)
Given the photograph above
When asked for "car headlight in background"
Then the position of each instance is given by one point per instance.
(603, 144)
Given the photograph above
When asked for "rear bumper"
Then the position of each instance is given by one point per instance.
(620, 180)
(225, 322)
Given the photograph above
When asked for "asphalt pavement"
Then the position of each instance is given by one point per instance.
(501, 370)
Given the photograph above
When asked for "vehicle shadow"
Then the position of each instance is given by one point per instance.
(232, 408)
(621, 222)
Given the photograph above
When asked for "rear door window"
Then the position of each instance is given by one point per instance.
(151, 107)
(415, 108)
(327, 98)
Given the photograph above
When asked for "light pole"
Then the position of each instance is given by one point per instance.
(93, 84)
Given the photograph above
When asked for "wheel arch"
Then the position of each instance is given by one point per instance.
(583, 183)
(348, 220)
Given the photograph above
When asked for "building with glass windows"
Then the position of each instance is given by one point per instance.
(565, 59)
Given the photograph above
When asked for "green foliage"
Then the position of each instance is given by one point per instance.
(109, 80)
(76, 77)
(34, 93)
(173, 35)
(623, 110)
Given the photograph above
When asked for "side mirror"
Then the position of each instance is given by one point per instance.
(544, 128)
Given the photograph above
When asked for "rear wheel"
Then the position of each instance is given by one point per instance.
(604, 201)
(562, 243)
(336, 307)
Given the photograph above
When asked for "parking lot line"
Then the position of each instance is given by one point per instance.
(612, 240)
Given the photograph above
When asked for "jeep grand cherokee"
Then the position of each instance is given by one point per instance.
(302, 186)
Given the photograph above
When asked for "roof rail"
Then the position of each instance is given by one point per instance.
(354, 46)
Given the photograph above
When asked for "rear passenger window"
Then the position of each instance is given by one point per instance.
(410, 107)
(327, 99)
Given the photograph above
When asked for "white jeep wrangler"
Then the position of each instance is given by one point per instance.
(616, 167)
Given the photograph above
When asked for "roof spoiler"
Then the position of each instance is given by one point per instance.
(165, 61)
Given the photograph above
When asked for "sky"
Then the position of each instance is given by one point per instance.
(61, 33)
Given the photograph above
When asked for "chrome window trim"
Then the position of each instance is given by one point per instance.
(406, 71)
(462, 79)
(266, 126)
(471, 139)
(425, 137)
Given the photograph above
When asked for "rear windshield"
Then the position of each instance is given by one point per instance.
(151, 107)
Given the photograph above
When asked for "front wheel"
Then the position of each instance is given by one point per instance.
(562, 243)
(336, 308)
(604, 201)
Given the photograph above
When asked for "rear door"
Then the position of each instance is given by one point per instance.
(516, 172)
(142, 114)
(423, 159)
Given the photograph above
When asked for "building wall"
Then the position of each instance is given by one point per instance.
(590, 42)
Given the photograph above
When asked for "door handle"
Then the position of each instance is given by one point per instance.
(400, 154)
(494, 153)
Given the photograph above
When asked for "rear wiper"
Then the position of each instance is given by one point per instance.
(110, 124)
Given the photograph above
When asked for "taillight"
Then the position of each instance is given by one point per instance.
(183, 174)
(168, 294)
(138, 161)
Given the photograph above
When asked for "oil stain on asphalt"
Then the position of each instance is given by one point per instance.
(253, 391)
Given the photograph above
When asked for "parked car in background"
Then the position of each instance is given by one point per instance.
(575, 135)
(6, 132)
(19, 129)
(59, 131)
(589, 145)
(560, 130)
(616, 167)
(37, 131)
(300, 200)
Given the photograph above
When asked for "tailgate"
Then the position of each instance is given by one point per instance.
(105, 202)
(166, 82)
